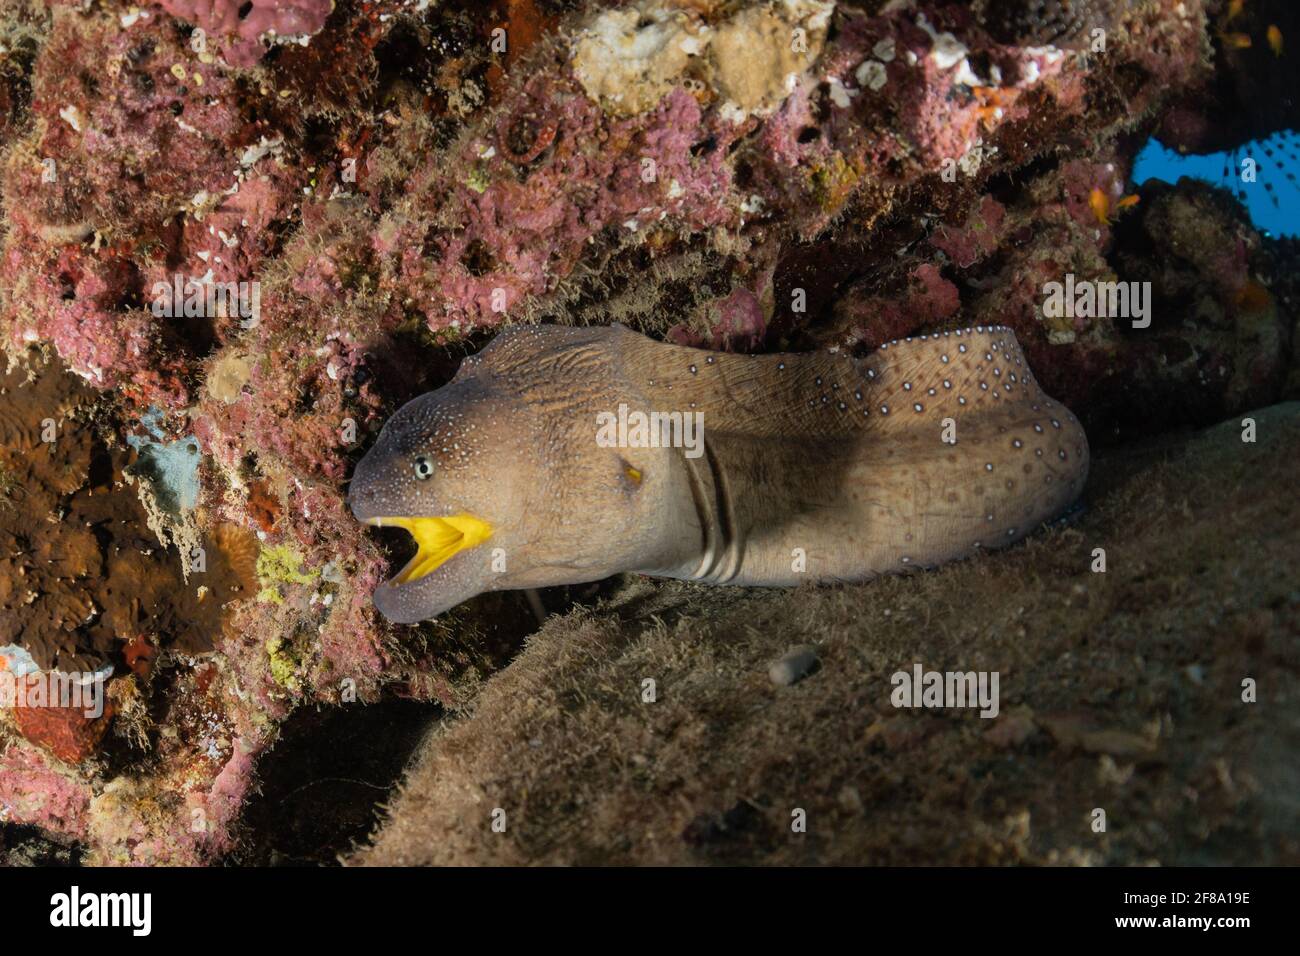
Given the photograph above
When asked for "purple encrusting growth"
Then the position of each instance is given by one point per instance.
(518, 229)
(529, 230)
(129, 178)
(395, 187)
(241, 25)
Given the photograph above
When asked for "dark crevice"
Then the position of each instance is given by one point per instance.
(330, 774)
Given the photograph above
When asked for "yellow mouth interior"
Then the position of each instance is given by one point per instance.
(438, 540)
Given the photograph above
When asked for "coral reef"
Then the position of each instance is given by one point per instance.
(250, 231)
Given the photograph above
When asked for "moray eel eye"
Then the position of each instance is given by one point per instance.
(423, 467)
(438, 540)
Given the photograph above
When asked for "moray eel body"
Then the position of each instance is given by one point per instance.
(807, 467)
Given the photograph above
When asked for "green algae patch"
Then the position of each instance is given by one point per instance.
(478, 180)
(279, 565)
(284, 663)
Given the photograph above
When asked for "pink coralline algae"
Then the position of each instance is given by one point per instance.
(129, 177)
(976, 238)
(33, 791)
(926, 299)
(518, 233)
(736, 323)
(242, 24)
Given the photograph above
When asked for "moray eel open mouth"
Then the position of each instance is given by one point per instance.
(438, 540)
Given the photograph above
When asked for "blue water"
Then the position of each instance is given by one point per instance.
(1273, 200)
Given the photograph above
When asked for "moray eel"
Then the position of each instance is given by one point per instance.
(807, 467)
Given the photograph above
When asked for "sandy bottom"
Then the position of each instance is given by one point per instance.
(1119, 691)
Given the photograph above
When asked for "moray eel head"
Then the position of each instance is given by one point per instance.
(499, 478)
(440, 470)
